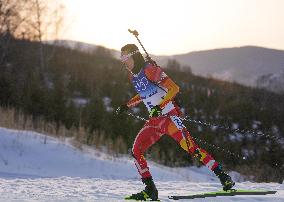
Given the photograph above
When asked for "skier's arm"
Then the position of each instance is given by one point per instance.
(173, 89)
(156, 75)
(134, 101)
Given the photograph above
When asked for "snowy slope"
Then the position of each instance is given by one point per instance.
(23, 153)
(33, 171)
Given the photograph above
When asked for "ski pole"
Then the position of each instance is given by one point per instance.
(143, 119)
(198, 140)
(137, 117)
(240, 131)
(136, 34)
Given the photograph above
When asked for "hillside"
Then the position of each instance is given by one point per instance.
(24, 154)
(57, 171)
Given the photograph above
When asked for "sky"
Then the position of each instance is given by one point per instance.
(168, 27)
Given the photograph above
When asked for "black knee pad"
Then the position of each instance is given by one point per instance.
(197, 153)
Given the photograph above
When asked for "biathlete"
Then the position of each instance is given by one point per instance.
(157, 91)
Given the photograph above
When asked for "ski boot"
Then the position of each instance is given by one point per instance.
(225, 179)
(149, 193)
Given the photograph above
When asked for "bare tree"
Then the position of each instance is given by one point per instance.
(11, 19)
(46, 22)
(31, 20)
(10, 16)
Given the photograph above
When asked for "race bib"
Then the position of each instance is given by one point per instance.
(178, 122)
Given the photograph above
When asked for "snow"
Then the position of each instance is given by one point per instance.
(237, 137)
(79, 102)
(107, 102)
(57, 171)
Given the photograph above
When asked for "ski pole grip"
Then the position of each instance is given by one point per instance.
(134, 32)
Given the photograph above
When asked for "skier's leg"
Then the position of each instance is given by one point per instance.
(147, 136)
(178, 131)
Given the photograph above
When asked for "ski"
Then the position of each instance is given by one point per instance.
(134, 197)
(128, 198)
(232, 192)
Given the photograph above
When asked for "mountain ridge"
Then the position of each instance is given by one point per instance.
(245, 65)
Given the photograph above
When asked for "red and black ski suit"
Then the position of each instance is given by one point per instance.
(154, 88)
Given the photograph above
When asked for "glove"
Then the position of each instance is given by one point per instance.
(156, 111)
(121, 109)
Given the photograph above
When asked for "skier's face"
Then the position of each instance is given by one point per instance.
(127, 60)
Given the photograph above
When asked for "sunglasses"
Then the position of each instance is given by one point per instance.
(124, 58)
